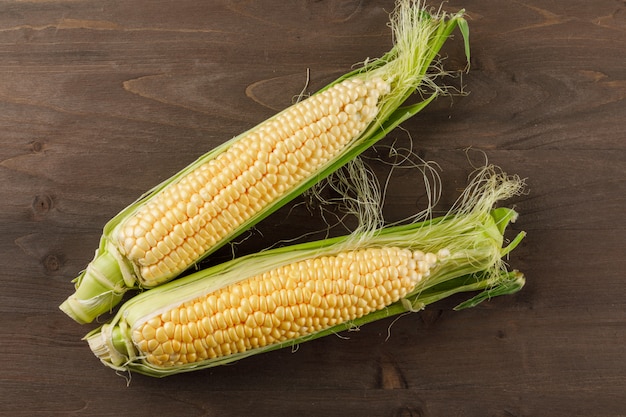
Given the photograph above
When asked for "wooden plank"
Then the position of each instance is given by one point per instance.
(99, 101)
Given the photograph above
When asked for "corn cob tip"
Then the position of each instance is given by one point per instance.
(98, 288)
(98, 345)
(102, 343)
(73, 308)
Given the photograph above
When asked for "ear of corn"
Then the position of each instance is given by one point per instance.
(237, 184)
(282, 297)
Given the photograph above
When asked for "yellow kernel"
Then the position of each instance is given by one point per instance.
(271, 304)
(220, 321)
(210, 304)
(148, 259)
(232, 334)
(136, 253)
(370, 282)
(210, 341)
(251, 321)
(280, 313)
(187, 338)
(191, 314)
(304, 311)
(254, 302)
(142, 345)
(167, 348)
(152, 344)
(193, 330)
(316, 299)
(276, 334)
(228, 318)
(331, 300)
(218, 335)
(169, 328)
(259, 317)
(163, 247)
(240, 346)
(240, 330)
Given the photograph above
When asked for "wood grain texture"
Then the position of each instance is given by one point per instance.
(99, 101)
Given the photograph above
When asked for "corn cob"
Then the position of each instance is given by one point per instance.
(286, 296)
(237, 184)
(281, 304)
(176, 227)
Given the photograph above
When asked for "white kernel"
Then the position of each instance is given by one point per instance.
(292, 163)
(187, 229)
(418, 255)
(266, 145)
(311, 144)
(127, 242)
(163, 247)
(130, 223)
(280, 154)
(353, 94)
(297, 121)
(174, 256)
(148, 259)
(137, 231)
(430, 258)
(383, 86)
(191, 209)
(350, 108)
(136, 253)
(325, 123)
(179, 213)
(293, 125)
(403, 271)
(318, 112)
(247, 179)
(271, 178)
(143, 244)
(416, 276)
(238, 187)
(273, 159)
(370, 102)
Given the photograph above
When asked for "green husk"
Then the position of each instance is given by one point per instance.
(418, 37)
(472, 231)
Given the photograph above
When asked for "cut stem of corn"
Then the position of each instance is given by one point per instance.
(282, 297)
(237, 184)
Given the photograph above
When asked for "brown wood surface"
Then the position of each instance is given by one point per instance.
(100, 100)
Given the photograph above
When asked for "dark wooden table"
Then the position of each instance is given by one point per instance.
(100, 100)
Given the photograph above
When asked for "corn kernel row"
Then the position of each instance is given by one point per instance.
(282, 304)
